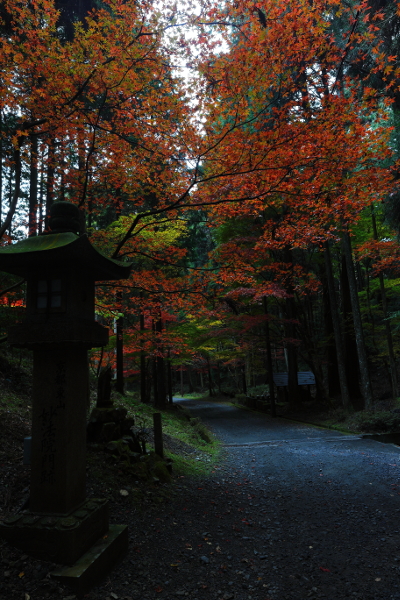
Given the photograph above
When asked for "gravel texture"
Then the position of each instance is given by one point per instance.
(291, 512)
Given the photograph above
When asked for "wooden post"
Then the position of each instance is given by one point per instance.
(158, 438)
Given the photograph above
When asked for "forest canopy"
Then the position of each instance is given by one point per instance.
(243, 156)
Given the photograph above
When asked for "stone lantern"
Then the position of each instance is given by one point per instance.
(61, 269)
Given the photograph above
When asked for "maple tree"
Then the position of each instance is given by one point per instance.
(96, 117)
(102, 105)
(280, 144)
(297, 147)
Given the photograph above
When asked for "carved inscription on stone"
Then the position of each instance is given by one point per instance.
(48, 431)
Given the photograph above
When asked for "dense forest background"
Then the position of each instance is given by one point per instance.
(244, 157)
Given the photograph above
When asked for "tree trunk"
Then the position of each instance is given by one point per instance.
(389, 338)
(270, 367)
(350, 346)
(336, 328)
(169, 378)
(219, 377)
(161, 390)
(13, 194)
(358, 328)
(50, 179)
(244, 382)
(33, 187)
(149, 380)
(333, 376)
(41, 196)
(182, 380)
(154, 368)
(291, 349)
(155, 380)
(290, 334)
(120, 355)
(210, 386)
(190, 380)
(1, 164)
(10, 198)
(162, 393)
(143, 374)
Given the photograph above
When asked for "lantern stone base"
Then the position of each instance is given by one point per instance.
(60, 539)
(96, 563)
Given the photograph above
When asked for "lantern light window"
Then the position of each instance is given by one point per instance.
(49, 294)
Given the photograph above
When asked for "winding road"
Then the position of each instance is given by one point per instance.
(330, 503)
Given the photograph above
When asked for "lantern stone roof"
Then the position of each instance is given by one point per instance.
(58, 251)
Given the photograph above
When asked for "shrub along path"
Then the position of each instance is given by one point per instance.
(290, 512)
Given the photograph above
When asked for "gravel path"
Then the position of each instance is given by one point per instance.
(291, 512)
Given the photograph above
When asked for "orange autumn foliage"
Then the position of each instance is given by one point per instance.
(272, 131)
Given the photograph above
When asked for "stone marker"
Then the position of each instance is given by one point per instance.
(61, 268)
(104, 388)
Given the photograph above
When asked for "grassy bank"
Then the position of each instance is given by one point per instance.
(193, 449)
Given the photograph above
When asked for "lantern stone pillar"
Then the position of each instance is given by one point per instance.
(61, 524)
(58, 464)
